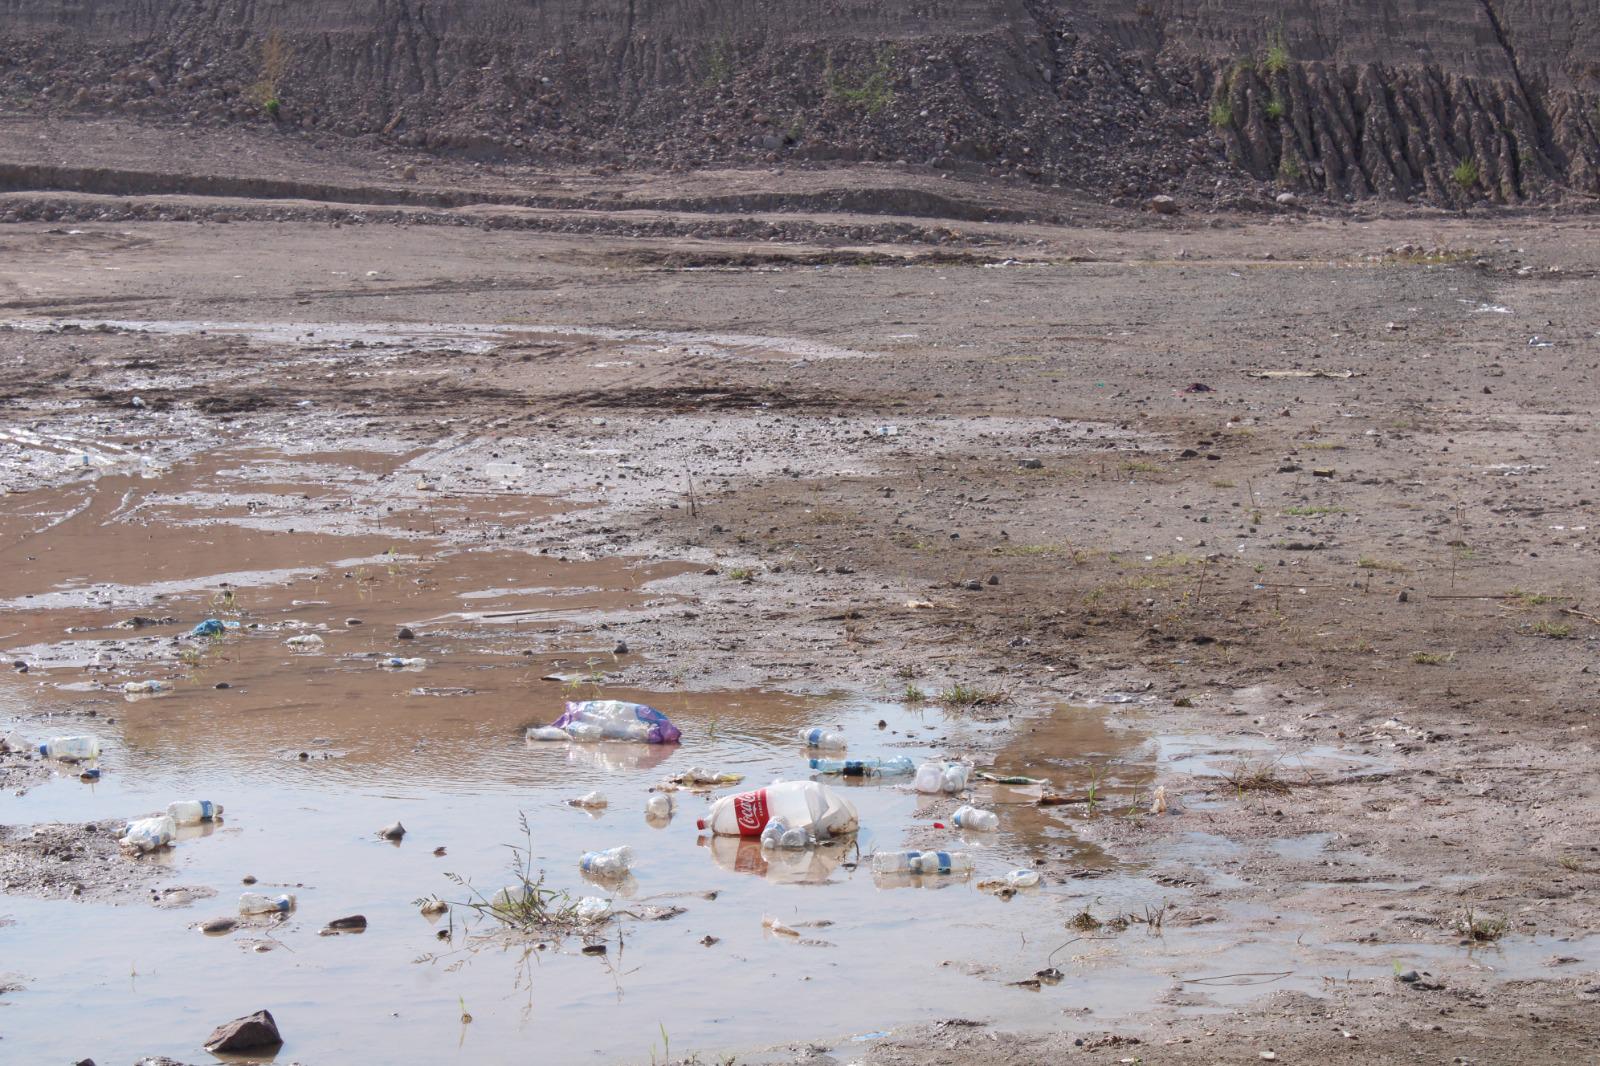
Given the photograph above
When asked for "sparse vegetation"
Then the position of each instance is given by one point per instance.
(1367, 562)
(1276, 60)
(1084, 922)
(1312, 510)
(1553, 630)
(963, 695)
(271, 71)
(525, 905)
(1249, 775)
(1480, 928)
(719, 63)
(913, 694)
(742, 574)
(1428, 658)
(1274, 109)
(1465, 173)
(1221, 114)
(874, 93)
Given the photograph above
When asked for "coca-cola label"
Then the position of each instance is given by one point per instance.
(750, 810)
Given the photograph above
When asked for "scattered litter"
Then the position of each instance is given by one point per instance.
(193, 812)
(824, 739)
(256, 903)
(212, 627)
(392, 832)
(434, 907)
(145, 688)
(938, 776)
(917, 863)
(1009, 779)
(148, 834)
(1490, 309)
(396, 662)
(616, 720)
(778, 835)
(897, 766)
(84, 748)
(696, 779)
(919, 605)
(886, 431)
(970, 817)
(612, 863)
(546, 733)
(591, 801)
(305, 641)
(1158, 805)
(660, 805)
(1279, 374)
(592, 909)
(804, 805)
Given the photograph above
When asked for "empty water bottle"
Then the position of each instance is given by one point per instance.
(869, 767)
(970, 817)
(941, 777)
(1023, 878)
(592, 909)
(921, 862)
(145, 688)
(73, 749)
(660, 805)
(547, 732)
(193, 812)
(611, 863)
(823, 738)
(305, 640)
(592, 800)
(396, 662)
(778, 835)
(148, 834)
(256, 903)
(585, 731)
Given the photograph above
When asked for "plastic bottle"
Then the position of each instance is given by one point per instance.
(869, 767)
(148, 834)
(193, 812)
(592, 801)
(256, 903)
(778, 835)
(611, 863)
(942, 777)
(592, 909)
(797, 804)
(970, 817)
(1023, 878)
(921, 862)
(146, 688)
(396, 662)
(585, 731)
(547, 732)
(660, 805)
(75, 749)
(305, 640)
(825, 739)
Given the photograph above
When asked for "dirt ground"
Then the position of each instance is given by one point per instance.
(1323, 486)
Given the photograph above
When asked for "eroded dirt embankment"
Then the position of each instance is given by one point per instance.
(1458, 103)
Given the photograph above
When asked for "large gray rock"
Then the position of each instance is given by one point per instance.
(257, 1030)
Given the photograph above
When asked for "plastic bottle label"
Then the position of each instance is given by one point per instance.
(750, 810)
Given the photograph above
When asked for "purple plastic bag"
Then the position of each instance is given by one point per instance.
(618, 720)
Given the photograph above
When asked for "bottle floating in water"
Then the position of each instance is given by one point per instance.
(660, 805)
(1023, 878)
(611, 863)
(146, 688)
(590, 801)
(256, 903)
(921, 862)
(193, 812)
(547, 733)
(825, 739)
(73, 749)
(868, 767)
(970, 817)
(942, 777)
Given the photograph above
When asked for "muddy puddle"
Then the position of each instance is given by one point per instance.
(314, 745)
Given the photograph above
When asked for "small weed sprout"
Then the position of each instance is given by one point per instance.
(274, 67)
(1428, 658)
(1247, 775)
(1276, 60)
(525, 905)
(962, 695)
(913, 694)
(1274, 109)
(1221, 115)
(1465, 174)
(1552, 630)
(1480, 928)
(874, 93)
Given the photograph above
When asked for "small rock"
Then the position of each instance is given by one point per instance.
(1031, 464)
(1404, 596)
(248, 879)
(972, 585)
(994, 579)
(392, 832)
(1163, 205)
(218, 925)
(438, 852)
(594, 949)
(621, 648)
(354, 921)
(222, 684)
(352, 621)
(1287, 199)
(708, 940)
(257, 1030)
(405, 633)
(1410, 977)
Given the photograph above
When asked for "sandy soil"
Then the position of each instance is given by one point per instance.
(1321, 490)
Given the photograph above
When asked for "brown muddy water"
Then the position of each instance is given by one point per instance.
(312, 751)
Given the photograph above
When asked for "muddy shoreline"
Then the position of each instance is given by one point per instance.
(1316, 497)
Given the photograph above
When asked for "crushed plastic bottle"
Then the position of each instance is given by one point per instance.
(547, 733)
(193, 812)
(591, 801)
(970, 817)
(942, 777)
(921, 862)
(146, 688)
(1023, 878)
(611, 863)
(805, 805)
(71, 749)
(616, 720)
(592, 909)
(778, 835)
(397, 662)
(305, 642)
(824, 739)
(148, 834)
(869, 767)
(256, 903)
(660, 805)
